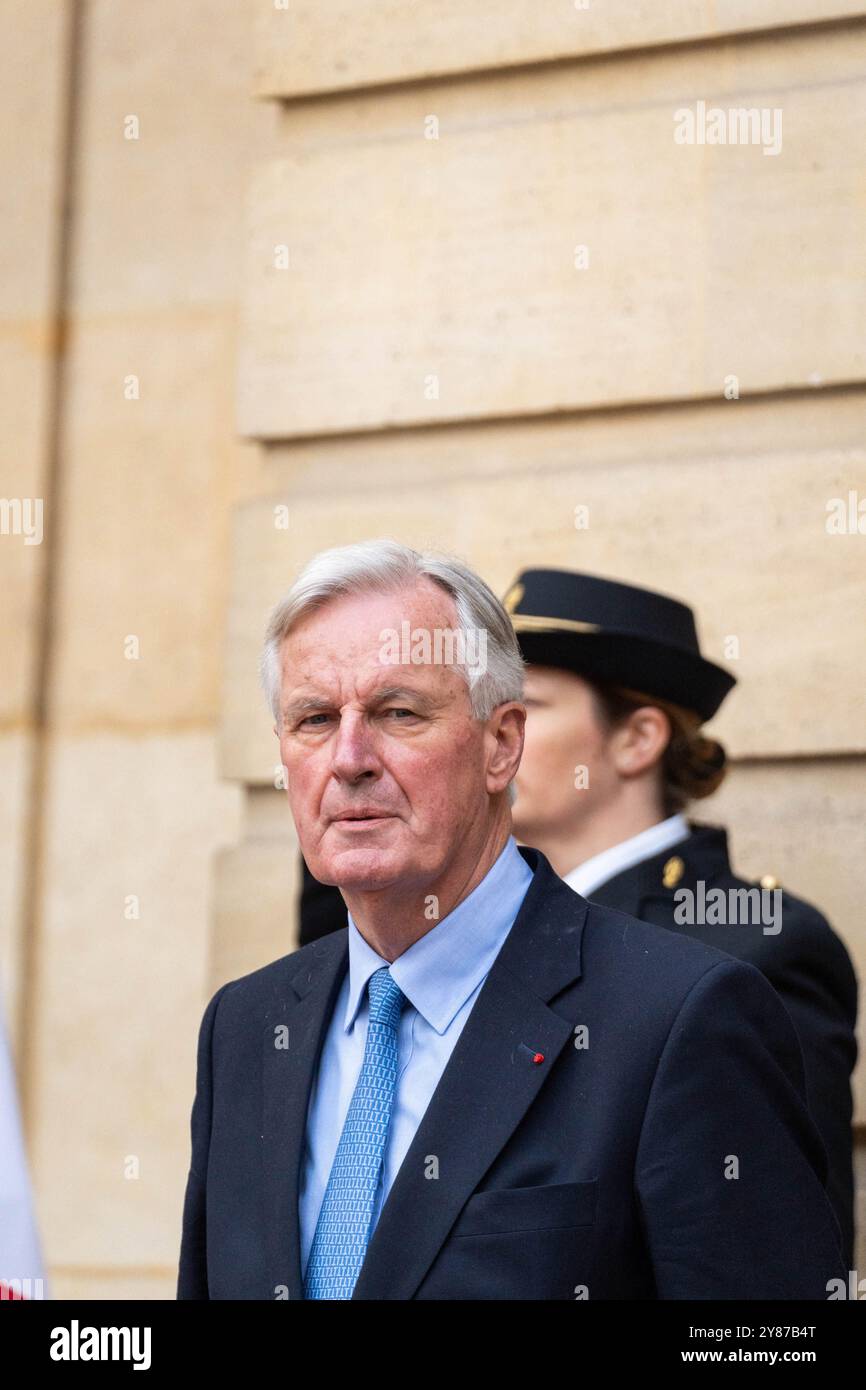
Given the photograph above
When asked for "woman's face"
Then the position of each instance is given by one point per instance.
(567, 772)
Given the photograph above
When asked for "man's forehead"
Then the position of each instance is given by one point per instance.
(313, 659)
(390, 682)
(358, 674)
(362, 671)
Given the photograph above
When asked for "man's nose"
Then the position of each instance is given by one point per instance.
(354, 752)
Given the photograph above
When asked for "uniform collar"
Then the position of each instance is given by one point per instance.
(704, 855)
(441, 970)
(647, 843)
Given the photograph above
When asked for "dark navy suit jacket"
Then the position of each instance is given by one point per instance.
(661, 1149)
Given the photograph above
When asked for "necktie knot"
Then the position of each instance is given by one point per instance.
(386, 998)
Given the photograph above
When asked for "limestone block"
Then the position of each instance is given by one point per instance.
(151, 464)
(166, 132)
(132, 826)
(133, 1285)
(554, 248)
(146, 495)
(16, 752)
(33, 41)
(255, 896)
(724, 506)
(308, 46)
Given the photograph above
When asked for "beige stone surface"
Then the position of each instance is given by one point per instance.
(33, 44)
(120, 1000)
(146, 499)
(148, 483)
(306, 46)
(433, 280)
(256, 886)
(136, 1286)
(31, 135)
(16, 751)
(159, 217)
(405, 458)
(154, 234)
(724, 506)
(803, 823)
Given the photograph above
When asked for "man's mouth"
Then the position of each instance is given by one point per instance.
(362, 818)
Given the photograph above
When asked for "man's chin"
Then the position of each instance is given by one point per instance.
(360, 869)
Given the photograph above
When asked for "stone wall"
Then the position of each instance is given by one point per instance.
(450, 279)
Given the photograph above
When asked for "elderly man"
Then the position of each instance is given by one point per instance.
(484, 1087)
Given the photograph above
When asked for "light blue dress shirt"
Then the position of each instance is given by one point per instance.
(441, 976)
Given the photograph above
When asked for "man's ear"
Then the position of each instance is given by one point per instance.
(507, 727)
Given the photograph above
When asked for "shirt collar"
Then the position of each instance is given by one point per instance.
(438, 972)
(600, 867)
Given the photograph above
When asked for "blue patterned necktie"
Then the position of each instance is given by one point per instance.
(343, 1227)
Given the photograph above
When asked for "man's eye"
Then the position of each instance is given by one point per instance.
(401, 710)
(310, 717)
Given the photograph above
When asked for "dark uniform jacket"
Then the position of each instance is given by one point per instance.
(623, 1116)
(805, 961)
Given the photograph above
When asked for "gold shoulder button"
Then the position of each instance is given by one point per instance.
(673, 871)
(769, 881)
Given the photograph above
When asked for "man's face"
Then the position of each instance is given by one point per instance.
(387, 768)
(566, 772)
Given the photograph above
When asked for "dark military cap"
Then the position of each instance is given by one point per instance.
(618, 633)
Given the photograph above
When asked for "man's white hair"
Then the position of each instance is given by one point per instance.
(383, 566)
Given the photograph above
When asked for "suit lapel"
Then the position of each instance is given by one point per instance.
(487, 1086)
(298, 1016)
